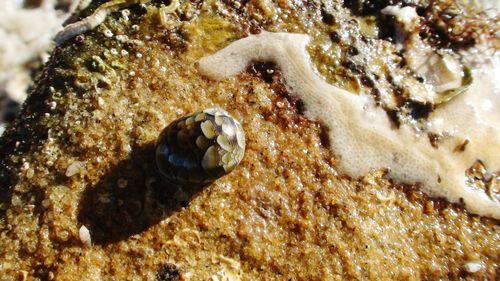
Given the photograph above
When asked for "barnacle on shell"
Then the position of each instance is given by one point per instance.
(200, 147)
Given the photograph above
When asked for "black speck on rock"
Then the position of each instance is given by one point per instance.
(168, 272)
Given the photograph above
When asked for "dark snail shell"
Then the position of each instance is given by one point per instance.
(200, 147)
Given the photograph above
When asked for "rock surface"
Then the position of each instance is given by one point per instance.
(81, 157)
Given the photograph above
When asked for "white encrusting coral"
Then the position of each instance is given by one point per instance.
(361, 133)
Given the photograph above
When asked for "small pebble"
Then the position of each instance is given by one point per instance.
(124, 52)
(46, 203)
(25, 166)
(84, 234)
(100, 101)
(74, 168)
(473, 266)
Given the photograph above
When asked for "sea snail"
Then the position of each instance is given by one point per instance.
(199, 148)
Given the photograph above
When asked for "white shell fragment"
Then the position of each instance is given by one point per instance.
(94, 20)
(74, 168)
(473, 266)
(84, 234)
(360, 132)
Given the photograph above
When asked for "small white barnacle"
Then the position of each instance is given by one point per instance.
(125, 15)
(94, 20)
(108, 33)
(200, 147)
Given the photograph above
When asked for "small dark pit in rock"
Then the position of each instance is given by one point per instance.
(9, 109)
(264, 70)
(420, 110)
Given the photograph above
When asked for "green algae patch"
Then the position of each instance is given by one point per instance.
(210, 33)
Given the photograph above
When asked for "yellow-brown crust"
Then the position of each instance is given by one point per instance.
(283, 213)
